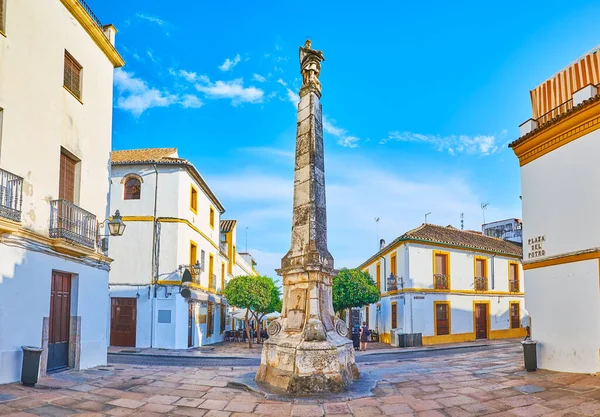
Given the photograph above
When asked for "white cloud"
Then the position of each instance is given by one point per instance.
(283, 83)
(190, 101)
(135, 96)
(151, 19)
(259, 78)
(293, 97)
(453, 144)
(151, 56)
(343, 139)
(229, 64)
(233, 90)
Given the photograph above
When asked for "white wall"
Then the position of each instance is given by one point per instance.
(25, 279)
(31, 65)
(560, 202)
(564, 305)
(559, 199)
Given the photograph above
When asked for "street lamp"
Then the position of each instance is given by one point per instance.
(116, 227)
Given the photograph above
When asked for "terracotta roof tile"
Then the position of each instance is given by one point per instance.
(144, 155)
(225, 226)
(453, 236)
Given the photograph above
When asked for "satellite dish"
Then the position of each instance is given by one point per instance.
(186, 293)
(187, 276)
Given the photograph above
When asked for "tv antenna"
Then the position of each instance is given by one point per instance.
(483, 209)
(426, 214)
(377, 228)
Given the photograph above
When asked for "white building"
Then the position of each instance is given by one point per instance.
(560, 179)
(173, 220)
(509, 229)
(56, 78)
(446, 285)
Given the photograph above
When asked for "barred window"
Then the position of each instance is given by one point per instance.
(72, 75)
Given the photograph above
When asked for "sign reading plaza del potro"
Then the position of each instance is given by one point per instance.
(536, 247)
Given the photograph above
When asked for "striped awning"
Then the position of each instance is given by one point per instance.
(554, 95)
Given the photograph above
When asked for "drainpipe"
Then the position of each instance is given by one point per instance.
(492, 271)
(154, 271)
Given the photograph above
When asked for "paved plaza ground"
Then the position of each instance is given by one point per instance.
(490, 382)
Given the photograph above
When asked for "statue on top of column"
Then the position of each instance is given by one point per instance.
(310, 67)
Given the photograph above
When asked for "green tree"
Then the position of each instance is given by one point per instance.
(274, 302)
(255, 294)
(353, 288)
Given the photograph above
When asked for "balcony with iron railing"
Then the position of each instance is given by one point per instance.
(481, 284)
(90, 12)
(11, 196)
(441, 281)
(514, 285)
(72, 223)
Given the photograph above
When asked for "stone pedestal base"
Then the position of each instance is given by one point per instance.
(296, 366)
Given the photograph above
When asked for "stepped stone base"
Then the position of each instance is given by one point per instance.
(296, 366)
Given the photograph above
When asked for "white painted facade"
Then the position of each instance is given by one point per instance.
(162, 313)
(414, 298)
(559, 202)
(33, 134)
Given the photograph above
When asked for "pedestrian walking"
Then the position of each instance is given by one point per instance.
(364, 336)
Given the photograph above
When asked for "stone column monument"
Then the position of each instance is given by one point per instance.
(308, 349)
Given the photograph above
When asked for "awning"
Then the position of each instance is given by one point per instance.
(199, 295)
(272, 316)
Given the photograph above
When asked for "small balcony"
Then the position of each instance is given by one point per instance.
(11, 196)
(481, 284)
(72, 223)
(441, 282)
(514, 285)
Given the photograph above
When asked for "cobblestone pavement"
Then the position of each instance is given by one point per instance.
(239, 349)
(456, 384)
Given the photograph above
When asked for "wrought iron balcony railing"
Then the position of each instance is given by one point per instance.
(89, 11)
(72, 223)
(514, 285)
(481, 284)
(11, 196)
(223, 247)
(442, 282)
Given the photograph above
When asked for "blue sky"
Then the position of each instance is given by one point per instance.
(420, 101)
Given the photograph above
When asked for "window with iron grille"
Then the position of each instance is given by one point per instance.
(72, 75)
(394, 315)
(133, 189)
(2, 15)
(515, 316)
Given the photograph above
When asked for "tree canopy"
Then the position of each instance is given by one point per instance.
(258, 295)
(353, 288)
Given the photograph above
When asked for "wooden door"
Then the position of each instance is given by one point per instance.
(123, 313)
(481, 319)
(190, 324)
(59, 322)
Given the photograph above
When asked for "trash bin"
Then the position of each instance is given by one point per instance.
(356, 340)
(31, 365)
(530, 355)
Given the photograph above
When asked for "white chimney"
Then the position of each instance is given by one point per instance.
(111, 32)
(381, 244)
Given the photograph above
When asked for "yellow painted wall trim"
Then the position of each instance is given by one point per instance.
(138, 218)
(448, 338)
(467, 292)
(508, 333)
(73, 94)
(95, 32)
(564, 259)
(563, 131)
